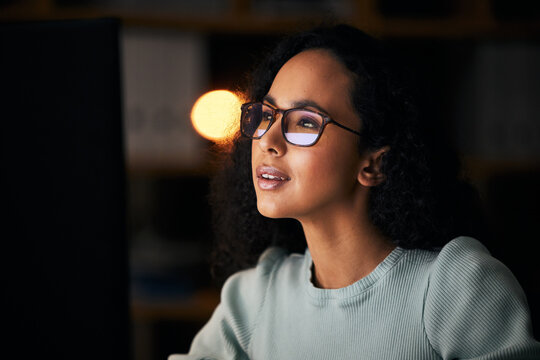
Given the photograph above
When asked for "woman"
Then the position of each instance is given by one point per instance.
(329, 193)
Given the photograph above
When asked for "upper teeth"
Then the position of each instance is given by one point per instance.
(272, 177)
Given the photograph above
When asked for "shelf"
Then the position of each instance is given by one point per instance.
(469, 19)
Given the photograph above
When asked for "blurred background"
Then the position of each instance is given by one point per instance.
(477, 68)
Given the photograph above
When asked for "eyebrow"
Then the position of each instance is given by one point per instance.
(298, 104)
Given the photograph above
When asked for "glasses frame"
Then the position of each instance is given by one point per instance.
(326, 120)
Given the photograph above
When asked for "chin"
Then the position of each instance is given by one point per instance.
(273, 210)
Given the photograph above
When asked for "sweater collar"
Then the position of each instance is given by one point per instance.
(355, 288)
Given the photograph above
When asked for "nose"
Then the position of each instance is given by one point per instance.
(272, 141)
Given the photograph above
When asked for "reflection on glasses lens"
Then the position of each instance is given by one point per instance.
(251, 120)
(300, 127)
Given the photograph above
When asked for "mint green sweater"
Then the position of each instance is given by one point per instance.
(459, 303)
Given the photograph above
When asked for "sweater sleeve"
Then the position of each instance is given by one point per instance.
(227, 334)
(475, 308)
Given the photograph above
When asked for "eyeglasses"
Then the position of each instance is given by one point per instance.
(299, 126)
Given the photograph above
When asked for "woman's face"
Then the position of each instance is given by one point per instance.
(316, 180)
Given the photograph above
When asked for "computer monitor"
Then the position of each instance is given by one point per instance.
(62, 191)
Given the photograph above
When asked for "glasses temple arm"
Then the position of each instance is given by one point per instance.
(345, 127)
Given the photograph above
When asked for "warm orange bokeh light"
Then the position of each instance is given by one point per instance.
(216, 115)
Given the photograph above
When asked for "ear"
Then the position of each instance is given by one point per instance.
(370, 173)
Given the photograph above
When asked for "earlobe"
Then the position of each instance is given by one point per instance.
(370, 172)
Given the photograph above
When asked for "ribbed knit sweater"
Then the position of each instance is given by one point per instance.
(458, 303)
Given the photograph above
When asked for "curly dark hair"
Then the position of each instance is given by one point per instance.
(421, 204)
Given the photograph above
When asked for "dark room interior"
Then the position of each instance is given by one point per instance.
(105, 217)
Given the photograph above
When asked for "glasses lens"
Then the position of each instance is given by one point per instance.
(256, 119)
(302, 127)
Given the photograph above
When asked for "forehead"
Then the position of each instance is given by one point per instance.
(314, 75)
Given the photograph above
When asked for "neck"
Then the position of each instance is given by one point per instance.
(345, 246)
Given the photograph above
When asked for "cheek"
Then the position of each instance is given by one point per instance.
(310, 168)
(253, 156)
(317, 173)
(255, 153)
(334, 173)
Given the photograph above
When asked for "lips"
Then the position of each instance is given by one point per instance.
(269, 178)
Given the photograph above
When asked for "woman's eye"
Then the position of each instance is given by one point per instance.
(308, 123)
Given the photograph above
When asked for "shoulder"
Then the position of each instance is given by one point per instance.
(466, 257)
(473, 302)
(250, 285)
(242, 297)
(465, 266)
(464, 249)
(269, 261)
(227, 335)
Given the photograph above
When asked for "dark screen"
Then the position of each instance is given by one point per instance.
(64, 253)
